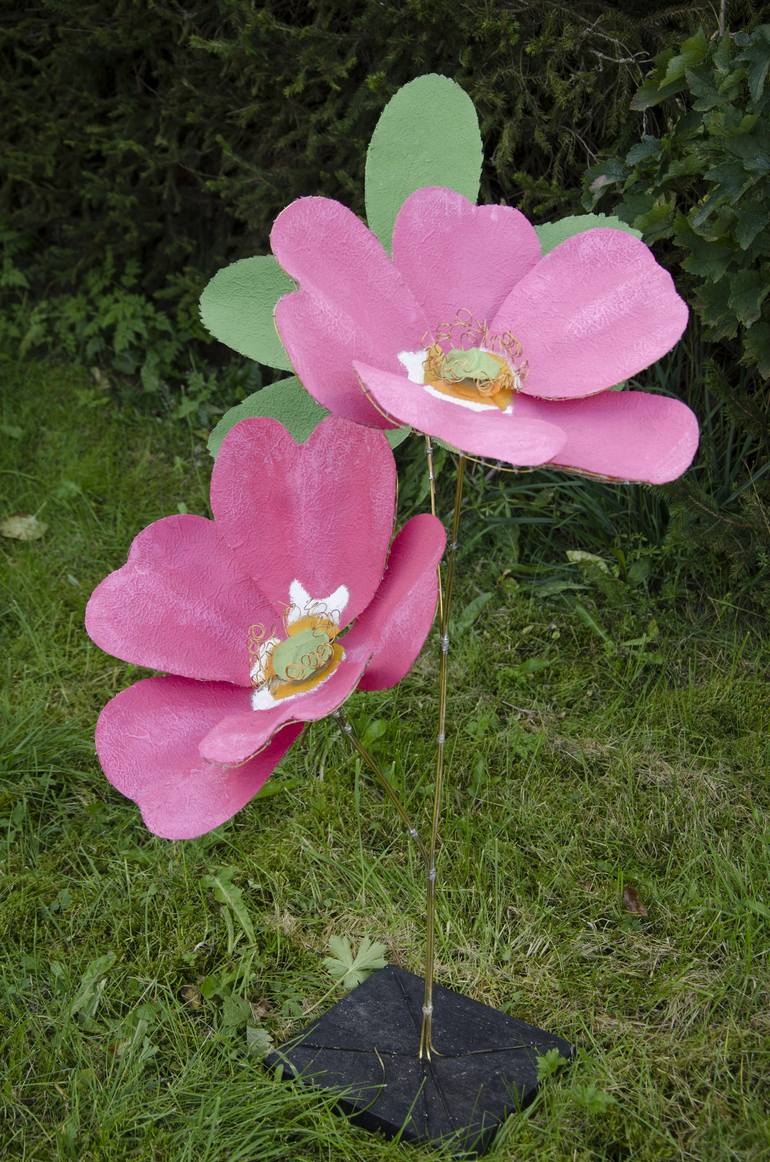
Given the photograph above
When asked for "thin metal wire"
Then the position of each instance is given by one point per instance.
(391, 795)
(426, 1031)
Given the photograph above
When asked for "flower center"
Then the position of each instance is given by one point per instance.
(300, 661)
(303, 654)
(473, 374)
(464, 360)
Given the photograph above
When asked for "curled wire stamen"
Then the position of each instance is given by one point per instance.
(465, 332)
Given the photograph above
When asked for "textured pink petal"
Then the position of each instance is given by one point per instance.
(323, 352)
(320, 513)
(239, 736)
(491, 434)
(455, 255)
(398, 620)
(182, 603)
(352, 302)
(594, 311)
(622, 435)
(147, 740)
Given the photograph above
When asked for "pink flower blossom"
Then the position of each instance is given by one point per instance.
(386, 341)
(265, 618)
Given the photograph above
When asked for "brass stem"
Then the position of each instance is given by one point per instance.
(373, 766)
(432, 487)
(426, 1031)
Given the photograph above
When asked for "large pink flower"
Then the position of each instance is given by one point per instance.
(265, 618)
(387, 342)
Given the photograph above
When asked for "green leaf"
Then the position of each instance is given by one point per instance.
(757, 343)
(90, 991)
(711, 301)
(647, 148)
(707, 259)
(468, 615)
(587, 560)
(427, 135)
(231, 896)
(237, 308)
(748, 290)
(288, 402)
(548, 1063)
(669, 76)
(652, 94)
(551, 234)
(258, 1041)
(607, 173)
(756, 59)
(656, 222)
(592, 1099)
(396, 436)
(236, 1011)
(693, 51)
(350, 970)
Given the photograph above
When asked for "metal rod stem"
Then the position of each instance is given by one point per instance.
(426, 1031)
(432, 487)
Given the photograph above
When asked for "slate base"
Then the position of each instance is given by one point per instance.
(367, 1047)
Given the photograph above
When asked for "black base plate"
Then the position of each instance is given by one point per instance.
(367, 1047)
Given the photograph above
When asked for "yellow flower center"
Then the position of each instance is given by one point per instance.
(472, 374)
(466, 361)
(300, 661)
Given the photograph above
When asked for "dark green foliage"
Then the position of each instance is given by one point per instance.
(171, 134)
(702, 183)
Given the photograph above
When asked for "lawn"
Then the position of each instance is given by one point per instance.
(605, 862)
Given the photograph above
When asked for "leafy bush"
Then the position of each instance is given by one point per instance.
(170, 135)
(703, 182)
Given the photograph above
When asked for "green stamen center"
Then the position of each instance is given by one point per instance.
(473, 366)
(301, 655)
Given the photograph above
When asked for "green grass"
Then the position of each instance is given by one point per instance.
(600, 737)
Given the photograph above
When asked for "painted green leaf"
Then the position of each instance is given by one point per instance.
(288, 402)
(428, 135)
(551, 234)
(237, 308)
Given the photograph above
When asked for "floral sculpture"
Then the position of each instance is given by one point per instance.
(469, 335)
(507, 342)
(265, 618)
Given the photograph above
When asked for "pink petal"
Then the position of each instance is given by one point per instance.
(323, 351)
(594, 311)
(399, 618)
(320, 513)
(182, 602)
(352, 303)
(147, 740)
(242, 735)
(622, 435)
(457, 256)
(490, 434)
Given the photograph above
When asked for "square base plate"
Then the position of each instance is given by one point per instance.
(366, 1046)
